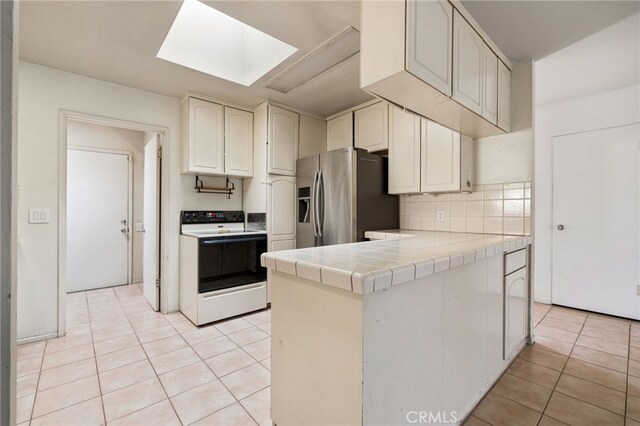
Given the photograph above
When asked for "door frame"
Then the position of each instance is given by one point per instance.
(64, 116)
(129, 156)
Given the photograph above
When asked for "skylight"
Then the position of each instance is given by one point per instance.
(207, 40)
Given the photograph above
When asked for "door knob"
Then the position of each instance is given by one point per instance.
(560, 227)
(124, 230)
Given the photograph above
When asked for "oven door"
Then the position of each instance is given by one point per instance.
(225, 262)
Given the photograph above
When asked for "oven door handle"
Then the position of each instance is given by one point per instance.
(232, 240)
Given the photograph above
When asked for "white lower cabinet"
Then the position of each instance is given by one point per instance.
(515, 311)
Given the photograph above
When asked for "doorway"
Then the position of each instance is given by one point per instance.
(99, 211)
(596, 219)
(110, 207)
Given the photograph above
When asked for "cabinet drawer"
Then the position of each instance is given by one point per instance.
(221, 304)
(514, 261)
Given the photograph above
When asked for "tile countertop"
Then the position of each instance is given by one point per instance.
(394, 257)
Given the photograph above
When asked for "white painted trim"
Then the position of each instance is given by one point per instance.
(129, 156)
(163, 132)
(37, 338)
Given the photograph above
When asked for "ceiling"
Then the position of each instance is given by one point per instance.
(117, 41)
(534, 29)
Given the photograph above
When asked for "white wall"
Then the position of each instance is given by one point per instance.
(607, 97)
(613, 108)
(43, 92)
(107, 137)
(509, 157)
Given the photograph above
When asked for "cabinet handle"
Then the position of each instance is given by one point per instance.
(560, 227)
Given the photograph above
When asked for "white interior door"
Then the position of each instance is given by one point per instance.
(596, 192)
(151, 258)
(98, 217)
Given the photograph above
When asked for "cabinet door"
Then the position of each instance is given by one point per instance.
(313, 136)
(504, 97)
(281, 210)
(467, 64)
(515, 311)
(372, 124)
(340, 132)
(404, 152)
(206, 137)
(490, 85)
(440, 158)
(238, 142)
(429, 42)
(283, 141)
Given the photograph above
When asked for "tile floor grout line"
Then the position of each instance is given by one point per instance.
(157, 376)
(35, 394)
(95, 359)
(626, 394)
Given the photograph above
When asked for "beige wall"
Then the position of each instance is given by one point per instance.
(43, 92)
(132, 141)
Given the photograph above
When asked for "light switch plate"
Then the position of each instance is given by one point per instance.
(39, 215)
(440, 216)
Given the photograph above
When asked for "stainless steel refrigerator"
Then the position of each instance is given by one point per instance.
(342, 194)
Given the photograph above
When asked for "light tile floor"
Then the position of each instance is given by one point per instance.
(123, 364)
(584, 369)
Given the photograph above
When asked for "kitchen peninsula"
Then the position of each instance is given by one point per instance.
(380, 332)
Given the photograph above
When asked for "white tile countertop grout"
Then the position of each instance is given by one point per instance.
(393, 257)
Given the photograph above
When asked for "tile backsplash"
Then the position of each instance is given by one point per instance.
(489, 209)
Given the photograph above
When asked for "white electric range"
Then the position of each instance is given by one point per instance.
(220, 271)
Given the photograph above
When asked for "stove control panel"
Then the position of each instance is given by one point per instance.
(195, 217)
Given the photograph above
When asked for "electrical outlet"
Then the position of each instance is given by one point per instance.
(39, 215)
(440, 216)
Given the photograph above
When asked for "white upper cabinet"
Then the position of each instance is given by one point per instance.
(238, 142)
(340, 132)
(283, 141)
(313, 136)
(429, 57)
(447, 159)
(468, 72)
(429, 31)
(216, 139)
(404, 152)
(504, 97)
(203, 137)
(371, 127)
(490, 85)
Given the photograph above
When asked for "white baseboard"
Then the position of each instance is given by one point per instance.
(32, 339)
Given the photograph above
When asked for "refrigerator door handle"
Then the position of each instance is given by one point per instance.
(320, 204)
(314, 204)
